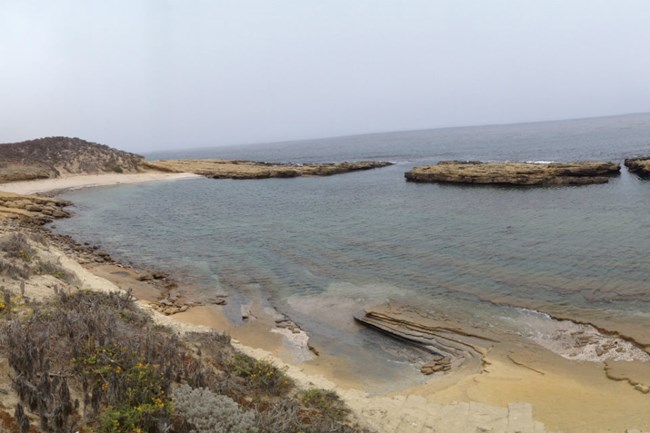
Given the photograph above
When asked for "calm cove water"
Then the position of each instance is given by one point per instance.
(322, 248)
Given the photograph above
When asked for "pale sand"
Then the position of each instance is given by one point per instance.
(89, 180)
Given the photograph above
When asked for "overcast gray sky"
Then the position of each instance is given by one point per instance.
(163, 74)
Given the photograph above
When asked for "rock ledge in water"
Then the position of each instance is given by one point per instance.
(227, 169)
(515, 173)
(639, 166)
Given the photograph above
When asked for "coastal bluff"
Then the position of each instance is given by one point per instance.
(53, 157)
(515, 173)
(639, 166)
(236, 169)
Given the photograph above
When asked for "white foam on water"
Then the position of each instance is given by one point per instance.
(575, 341)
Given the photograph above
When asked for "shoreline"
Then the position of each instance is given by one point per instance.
(67, 183)
(493, 393)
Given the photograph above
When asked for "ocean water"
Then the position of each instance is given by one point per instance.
(319, 249)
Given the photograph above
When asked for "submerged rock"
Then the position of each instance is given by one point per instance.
(515, 173)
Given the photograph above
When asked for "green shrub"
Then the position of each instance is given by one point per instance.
(134, 388)
(327, 403)
(261, 374)
(207, 412)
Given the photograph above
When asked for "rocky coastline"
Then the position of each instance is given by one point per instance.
(50, 282)
(476, 376)
(235, 169)
(515, 173)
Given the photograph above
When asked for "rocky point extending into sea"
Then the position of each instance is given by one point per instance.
(234, 169)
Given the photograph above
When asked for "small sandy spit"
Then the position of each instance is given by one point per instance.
(88, 181)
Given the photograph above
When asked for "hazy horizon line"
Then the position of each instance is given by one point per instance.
(362, 134)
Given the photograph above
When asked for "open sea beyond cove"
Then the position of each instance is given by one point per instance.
(321, 248)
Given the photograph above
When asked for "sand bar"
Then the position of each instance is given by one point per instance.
(89, 180)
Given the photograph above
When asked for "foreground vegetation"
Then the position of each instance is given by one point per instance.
(88, 361)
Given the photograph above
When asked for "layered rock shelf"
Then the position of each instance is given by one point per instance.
(639, 166)
(446, 346)
(36, 209)
(515, 173)
(235, 169)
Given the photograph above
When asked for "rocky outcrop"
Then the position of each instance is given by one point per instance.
(235, 169)
(52, 157)
(515, 173)
(35, 209)
(448, 346)
(639, 166)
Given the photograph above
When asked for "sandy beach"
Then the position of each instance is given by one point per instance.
(88, 181)
(520, 389)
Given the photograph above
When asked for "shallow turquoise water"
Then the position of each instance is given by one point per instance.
(320, 247)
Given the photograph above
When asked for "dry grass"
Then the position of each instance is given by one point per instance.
(20, 258)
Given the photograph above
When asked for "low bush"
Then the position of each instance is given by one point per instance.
(206, 412)
(17, 246)
(326, 404)
(260, 374)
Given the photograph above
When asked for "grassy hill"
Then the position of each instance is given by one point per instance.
(52, 157)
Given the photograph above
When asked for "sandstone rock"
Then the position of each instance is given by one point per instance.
(639, 166)
(229, 169)
(445, 345)
(514, 173)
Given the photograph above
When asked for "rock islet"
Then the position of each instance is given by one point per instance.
(639, 166)
(515, 173)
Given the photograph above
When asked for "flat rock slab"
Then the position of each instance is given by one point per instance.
(235, 169)
(515, 173)
(447, 345)
(37, 209)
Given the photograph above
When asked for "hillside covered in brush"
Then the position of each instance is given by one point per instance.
(52, 157)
